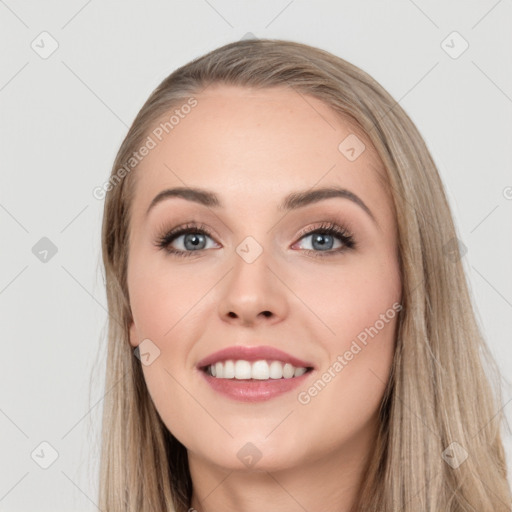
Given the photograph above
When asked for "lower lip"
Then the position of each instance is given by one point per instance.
(254, 390)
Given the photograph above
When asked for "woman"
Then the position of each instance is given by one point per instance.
(290, 324)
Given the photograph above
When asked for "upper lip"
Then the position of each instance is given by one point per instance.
(253, 353)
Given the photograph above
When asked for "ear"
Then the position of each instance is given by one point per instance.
(134, 337)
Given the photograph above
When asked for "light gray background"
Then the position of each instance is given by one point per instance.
(63, 118)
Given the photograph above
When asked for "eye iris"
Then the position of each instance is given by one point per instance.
(194, 239)
(320, 238)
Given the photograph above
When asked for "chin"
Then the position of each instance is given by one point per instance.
(250, 453)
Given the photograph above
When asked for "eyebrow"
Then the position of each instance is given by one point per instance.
(292, 201)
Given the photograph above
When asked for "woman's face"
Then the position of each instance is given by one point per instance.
(256, 270)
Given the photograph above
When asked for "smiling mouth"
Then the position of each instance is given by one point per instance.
(261, 370)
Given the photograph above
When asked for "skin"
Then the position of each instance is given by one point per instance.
(253, 147)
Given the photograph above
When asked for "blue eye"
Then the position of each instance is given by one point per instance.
(324, 234)
(194, 239)
(328, 231)
(191, 243)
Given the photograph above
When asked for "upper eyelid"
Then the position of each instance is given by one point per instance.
(296, 200)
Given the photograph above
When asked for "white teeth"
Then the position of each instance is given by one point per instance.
(288, 371)
(242, 370)
(229, 369)
(258, 370)
(276, 370)
(299, 372)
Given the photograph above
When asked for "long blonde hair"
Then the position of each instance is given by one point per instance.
(438, 392)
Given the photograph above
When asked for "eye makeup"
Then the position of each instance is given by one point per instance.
(325, 229)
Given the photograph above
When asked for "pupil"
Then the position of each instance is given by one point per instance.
(194, 239)
(319, 238)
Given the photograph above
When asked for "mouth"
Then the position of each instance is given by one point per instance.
(251, 374)
(262, 370)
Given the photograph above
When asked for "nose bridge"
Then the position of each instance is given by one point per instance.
(251, 288)
(254, 242)
(251, 263)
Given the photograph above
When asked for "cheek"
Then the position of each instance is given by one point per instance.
(165, 303)
(361, 305)
(164, 296)
(347, 391)
(351, 296)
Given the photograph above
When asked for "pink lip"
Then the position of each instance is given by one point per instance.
(245, 390)
(253, 354)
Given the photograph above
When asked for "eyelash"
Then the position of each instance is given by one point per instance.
(326, 228)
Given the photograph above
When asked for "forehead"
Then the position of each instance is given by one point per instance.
(253, 146)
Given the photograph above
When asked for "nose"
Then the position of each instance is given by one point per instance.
(253, 292)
